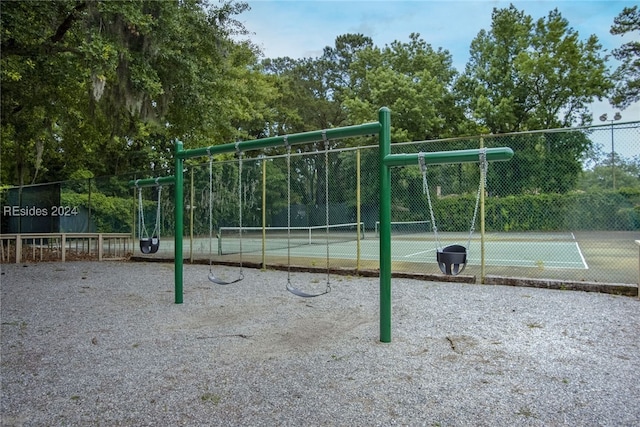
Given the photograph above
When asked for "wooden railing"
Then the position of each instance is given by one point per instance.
(63, 246)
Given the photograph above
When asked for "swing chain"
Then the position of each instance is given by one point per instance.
(425, 190)
(156, 230)
(240, 201)
(142, 228)
(286, 143)
(212, 276)
(326, 199)
(483, 184)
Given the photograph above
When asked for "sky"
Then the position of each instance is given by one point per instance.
(303, 28)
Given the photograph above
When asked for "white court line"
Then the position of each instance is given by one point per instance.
(419, 253)
(584, 261)
(527, 263)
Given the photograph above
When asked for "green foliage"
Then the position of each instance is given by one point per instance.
(84, 82)
(414, 80)
(555, 212)
(109, 214)
(542, 163)
(526, 75)
(602, 168)
(537, 212)
(627, 75)
(103, 88)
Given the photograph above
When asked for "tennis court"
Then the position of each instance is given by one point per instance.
(608, 257)
(550, 254)
(410, 242)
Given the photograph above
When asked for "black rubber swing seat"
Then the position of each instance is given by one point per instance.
(149, 245)
(304, 294)
(217, 281)
(452, 259)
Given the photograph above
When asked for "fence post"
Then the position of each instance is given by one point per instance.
(89, 203)
(18, 248)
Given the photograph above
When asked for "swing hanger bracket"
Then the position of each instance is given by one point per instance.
(325, 140)
(421, 161)
(285, 140)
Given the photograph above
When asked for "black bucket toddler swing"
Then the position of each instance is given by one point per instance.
(452, 259)
(149, 244)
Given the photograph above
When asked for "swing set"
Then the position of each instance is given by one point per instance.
(451, 259)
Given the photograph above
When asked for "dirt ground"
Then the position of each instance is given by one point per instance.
(88, 343)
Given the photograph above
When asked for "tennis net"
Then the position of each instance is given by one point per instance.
(274, 238)
(400, 228)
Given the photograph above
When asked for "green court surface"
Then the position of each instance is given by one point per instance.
(498, 253)
(549, 251)
(608, 257)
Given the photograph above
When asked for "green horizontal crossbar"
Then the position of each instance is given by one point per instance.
(294, 139)
(445, 157)
(152, 182)
(257, 144)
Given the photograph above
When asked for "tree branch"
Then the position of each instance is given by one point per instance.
(67, 23)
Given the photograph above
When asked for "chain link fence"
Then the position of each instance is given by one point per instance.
(567, 207)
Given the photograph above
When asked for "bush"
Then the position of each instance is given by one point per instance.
(605, 210)
(108, 214)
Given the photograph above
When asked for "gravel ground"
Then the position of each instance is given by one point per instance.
(103, 344)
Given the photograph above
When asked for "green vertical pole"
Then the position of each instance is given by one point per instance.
(264, 213)
(384, 117)
(179, 226)
(358, 213)
(482, 190)
(191, 203)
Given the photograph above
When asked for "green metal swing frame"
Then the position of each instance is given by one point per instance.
(382, 128)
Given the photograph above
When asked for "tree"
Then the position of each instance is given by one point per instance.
(35, 86)
(414, 80)
(526, 76)
(627, 75)
(599, 170)
(312, 89)
(311, 93)
(490, 88)
(107, 86)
